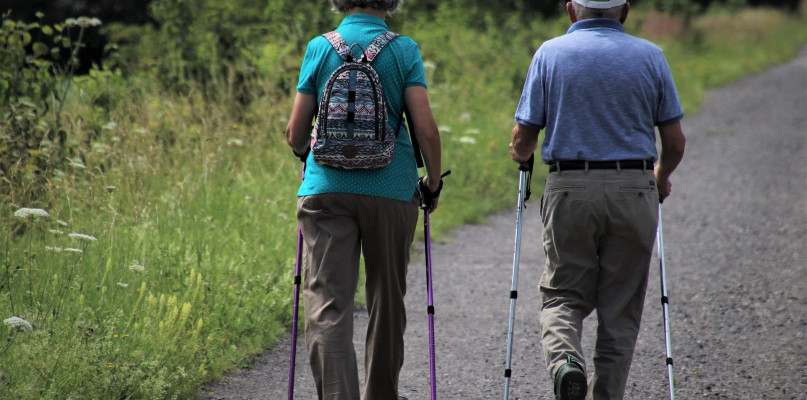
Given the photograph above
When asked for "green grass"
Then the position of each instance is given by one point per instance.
(723, 48)
(201, 192)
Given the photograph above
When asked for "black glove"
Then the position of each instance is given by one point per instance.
(427, 197)
(527, 165)
(303, 156)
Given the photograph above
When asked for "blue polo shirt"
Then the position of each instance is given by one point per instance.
(599, 93)
(399, 66)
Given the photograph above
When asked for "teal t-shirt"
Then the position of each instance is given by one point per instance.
(399, 66)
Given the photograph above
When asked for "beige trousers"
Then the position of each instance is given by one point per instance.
(599, 233)
(336, 228)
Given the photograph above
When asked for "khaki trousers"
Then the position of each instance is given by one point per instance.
(336, 227)
(599, 233)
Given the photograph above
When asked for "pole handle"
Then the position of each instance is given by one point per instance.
(526, 167)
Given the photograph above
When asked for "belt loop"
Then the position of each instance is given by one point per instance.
(618, 166)
(586, 163)
(644, 166)
(557, 165)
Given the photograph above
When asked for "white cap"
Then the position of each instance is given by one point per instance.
(601, 4)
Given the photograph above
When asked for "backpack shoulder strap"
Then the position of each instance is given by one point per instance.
(338, 42)
(413, 138)
(378, 44)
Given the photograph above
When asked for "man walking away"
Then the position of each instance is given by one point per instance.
(598, 94)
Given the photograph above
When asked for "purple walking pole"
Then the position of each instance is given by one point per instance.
(426, 203)
(296, 312)
(430, 308)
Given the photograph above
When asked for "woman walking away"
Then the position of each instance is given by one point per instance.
(362, 208)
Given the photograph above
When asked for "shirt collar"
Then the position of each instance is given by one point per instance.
(595, 23)
(363, 19)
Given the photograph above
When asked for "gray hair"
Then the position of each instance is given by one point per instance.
(583, 12)
(343, 6)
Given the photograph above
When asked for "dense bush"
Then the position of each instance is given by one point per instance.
(33, 140)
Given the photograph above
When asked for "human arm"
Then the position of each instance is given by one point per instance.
(426, 134)
(298, 131)
(523, 142)
(673, 143)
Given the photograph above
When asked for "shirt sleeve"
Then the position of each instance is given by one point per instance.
(669, 106)
(531, 108)
(416, 75)
(307, 83)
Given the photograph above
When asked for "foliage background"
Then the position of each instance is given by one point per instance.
(154, 142)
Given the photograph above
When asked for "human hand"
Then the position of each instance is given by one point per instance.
(518, 157)
(523, 142)
(664, 187)
(303, 156)
(430, 191)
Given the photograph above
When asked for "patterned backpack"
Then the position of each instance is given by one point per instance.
(352, 129)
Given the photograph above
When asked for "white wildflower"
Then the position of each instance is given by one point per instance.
(466, 140)
(465, 118)
(235, 142)
(77, 163)
(110, 188)
(53, 248)
(19, 324)
(444, 128)
(123, 284)
(62, 223)
(56, 231)
(83, 22)
(472, 131)
(31, 212)
(429, 65)
(73, 250)
(137, 268)
(82, 236)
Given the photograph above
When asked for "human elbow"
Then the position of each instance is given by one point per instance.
(679, 145)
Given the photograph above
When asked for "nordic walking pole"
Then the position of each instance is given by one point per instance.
(425, 205)
(664, 304)
(523, 195)
(295, 313)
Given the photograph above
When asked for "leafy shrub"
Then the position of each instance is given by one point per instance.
(33, 89)
(220, 46)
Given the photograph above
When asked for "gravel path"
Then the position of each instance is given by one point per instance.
(735, 232)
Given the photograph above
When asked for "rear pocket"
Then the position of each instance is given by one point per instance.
(650, 186)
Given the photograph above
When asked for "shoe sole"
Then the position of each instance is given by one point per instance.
(573, 386)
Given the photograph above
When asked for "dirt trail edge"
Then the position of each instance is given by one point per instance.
(735, 232)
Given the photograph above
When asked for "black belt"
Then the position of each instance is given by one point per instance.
(569, 165)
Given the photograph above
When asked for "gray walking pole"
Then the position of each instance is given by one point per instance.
(664, 305)
(523, 187)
